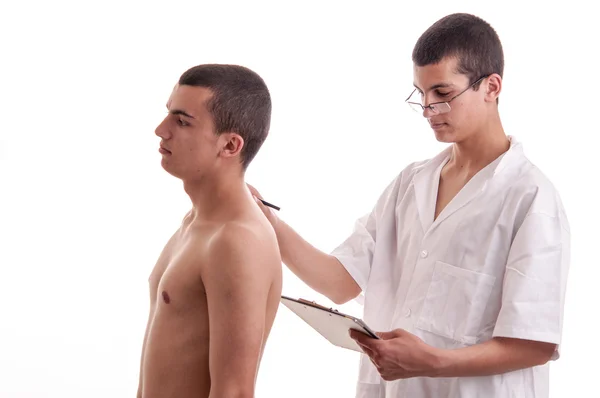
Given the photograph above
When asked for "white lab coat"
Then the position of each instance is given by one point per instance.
(494, 263)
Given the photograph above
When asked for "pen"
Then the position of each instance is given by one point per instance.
(264, 202)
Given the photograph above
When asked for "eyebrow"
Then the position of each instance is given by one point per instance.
(435, 86)
(179, 112)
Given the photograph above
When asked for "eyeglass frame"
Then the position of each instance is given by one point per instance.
(430, 106)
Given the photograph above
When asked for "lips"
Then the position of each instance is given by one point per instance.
(163, 147)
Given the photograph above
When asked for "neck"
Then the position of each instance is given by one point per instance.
(215, 195)
(482, 148)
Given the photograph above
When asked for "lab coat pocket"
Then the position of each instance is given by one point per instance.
(455, 302)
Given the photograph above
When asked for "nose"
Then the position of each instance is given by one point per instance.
(162, 130)
(428, 112)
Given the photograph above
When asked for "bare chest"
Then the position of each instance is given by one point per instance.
(176, 350)
(176, 283)
(448, 188)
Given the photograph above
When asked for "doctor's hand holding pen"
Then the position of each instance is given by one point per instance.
(265, 206)
(321, 271)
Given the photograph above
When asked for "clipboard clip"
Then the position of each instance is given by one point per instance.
(313, 303)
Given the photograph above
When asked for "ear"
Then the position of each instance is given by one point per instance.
(493, 87)
(231, 144)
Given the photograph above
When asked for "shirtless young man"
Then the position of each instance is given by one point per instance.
(215, 289)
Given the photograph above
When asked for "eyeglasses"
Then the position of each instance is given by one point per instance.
(438, 107)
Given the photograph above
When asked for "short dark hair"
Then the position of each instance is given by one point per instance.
(470, 39)
(241, 103)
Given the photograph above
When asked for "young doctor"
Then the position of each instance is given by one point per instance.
(463, 260)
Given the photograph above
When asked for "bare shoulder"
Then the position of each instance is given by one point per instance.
(244, 247)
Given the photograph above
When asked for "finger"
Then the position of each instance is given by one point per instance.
(266, 209)
(254, 191)
(390, 375)
(361, 338)
(259, 202)
(394, 376)
(395, 372)
(390, 335)
(383, 335)
(399, 332)
(363, 346)
(373, 357)
(367, 350)
(370, 350)
(376, 364)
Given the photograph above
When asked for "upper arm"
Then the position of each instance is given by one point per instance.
(535, 280)
(238, 278)
(356, 252)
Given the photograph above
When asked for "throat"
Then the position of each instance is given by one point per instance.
(449, 185)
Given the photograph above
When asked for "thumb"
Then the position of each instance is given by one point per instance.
(386, 335)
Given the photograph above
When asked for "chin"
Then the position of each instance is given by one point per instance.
(170, 169)
(446, 137)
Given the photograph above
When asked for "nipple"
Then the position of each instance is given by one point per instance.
(166, 297)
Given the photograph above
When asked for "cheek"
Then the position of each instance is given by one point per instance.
(201, 147)
(462, 115)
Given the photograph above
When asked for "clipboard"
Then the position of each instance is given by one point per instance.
(330, 323)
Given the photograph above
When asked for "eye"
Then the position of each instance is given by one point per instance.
(182, 122)
(441, 94)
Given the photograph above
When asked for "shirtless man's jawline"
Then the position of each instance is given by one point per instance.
(215, 288)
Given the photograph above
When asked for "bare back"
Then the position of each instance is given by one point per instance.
(192, 272)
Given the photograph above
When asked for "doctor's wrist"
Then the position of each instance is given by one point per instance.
(441, 362)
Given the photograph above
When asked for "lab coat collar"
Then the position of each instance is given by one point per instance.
(426, 186)
(426, 182)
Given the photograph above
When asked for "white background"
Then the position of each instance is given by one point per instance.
(85, 207)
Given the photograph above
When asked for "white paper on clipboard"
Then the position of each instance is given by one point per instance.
(331, 324)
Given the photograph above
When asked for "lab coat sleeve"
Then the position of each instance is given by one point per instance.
(356, 252)
(535, 281)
